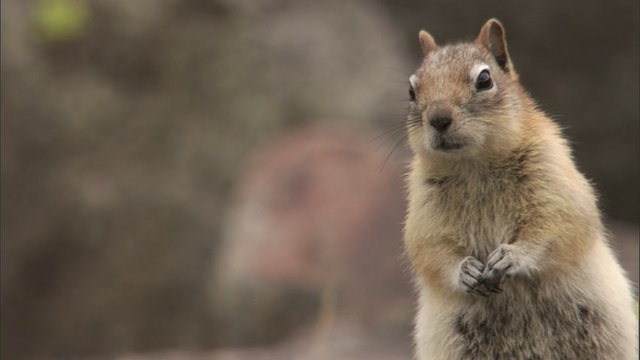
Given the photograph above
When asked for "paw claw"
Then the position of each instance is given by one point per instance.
(480, 280)
(471, 278)
(499, 263)
(495, 258)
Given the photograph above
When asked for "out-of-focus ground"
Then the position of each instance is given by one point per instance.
(217, 179)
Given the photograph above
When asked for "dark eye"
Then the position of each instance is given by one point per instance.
(484, 82)
(412, 93)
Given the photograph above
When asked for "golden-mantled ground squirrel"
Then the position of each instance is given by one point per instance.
(502, 231)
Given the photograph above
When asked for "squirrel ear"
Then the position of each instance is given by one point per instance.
(492, 37)
(427, 42)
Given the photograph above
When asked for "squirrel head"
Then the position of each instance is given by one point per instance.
(465, 98)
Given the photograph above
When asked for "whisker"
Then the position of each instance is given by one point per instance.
(397, 135)
(381, 166)
(392, 130)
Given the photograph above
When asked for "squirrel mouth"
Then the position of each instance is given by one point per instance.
(440, 143)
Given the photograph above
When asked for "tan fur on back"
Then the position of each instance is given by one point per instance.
(500, 183)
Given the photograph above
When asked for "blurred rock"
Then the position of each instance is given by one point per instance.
(311, 265)
(315, 211)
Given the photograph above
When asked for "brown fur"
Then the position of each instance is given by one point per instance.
(498, 191)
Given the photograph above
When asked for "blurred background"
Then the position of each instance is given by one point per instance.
(222, 179)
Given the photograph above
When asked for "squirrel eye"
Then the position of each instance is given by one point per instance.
(412, 93)
(484, 82)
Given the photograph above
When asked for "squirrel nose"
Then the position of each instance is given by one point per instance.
(440, 116)
(440, 122)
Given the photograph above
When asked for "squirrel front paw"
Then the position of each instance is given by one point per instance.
(500, 266)
(470, 278)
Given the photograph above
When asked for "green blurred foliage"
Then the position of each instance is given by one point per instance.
(60, 20)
